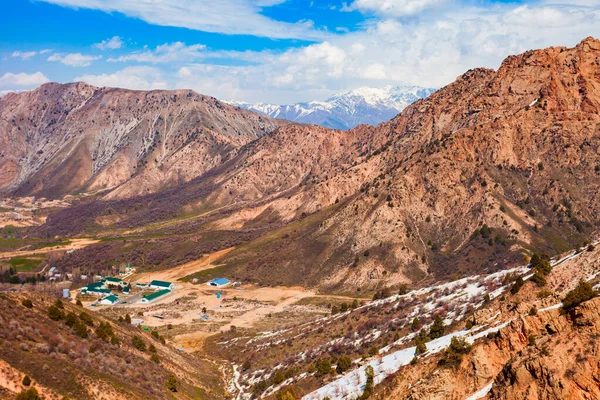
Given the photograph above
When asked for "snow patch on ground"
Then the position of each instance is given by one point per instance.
(482, 393)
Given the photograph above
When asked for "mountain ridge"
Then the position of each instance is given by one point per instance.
(346, 110)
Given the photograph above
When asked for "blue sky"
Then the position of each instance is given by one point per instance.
(275, 50)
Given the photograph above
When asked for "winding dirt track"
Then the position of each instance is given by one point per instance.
(176, 273)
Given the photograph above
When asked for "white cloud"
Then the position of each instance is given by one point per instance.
(428, 51)
(24, 55)
(11, 81)
(137, 78)
(222, 16)
(110, 44)
(393, 8)
(430, 48)
(166, 53)
(74, 59)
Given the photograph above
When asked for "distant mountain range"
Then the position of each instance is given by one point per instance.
(346, 110)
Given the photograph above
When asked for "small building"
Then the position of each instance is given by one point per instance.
(98, 292)
(153, 296)
(109, 300)
(161, 285)
(51, 270)
(66, 293)
(219, 282)
(141, 285)
(126, 290)
(110, 281)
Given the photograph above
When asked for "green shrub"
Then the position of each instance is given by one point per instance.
(55, 314)
(259, 388)
(26, 380)
(81, 330)
(538, 279)
(470, 323)
(543, 294)
(369, 385)
(86, 319)
(287, 394)
(402, 289)
(152, 349)
(437, 329)
(453, 355)
(104, 330)
(59, 304)
(581, 293)
(373, 351)
(27, 303)
(29, 394)
(79, 303)
(517, 285)
(343, 364)
(415, 325)
(246, 365)
(71, 319)
(278, 377)
(171, 383)
(533, 311)
(138, 343)
(154, 358)
(322, 367)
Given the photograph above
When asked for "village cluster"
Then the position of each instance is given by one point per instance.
(118, 291)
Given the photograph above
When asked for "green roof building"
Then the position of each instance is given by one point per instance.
(153, 296)
(160, 285)
(110, 300)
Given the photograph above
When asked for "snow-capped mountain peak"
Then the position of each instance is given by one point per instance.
(345, 110)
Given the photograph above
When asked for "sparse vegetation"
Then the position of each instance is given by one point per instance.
(369, 385)
(517, 285)
(581, 293)
(29, 394)
(437, 328)
(453, 355)
(138, 343)
(344, 363)
(171, 383)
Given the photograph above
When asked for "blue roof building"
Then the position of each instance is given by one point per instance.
(219, 282)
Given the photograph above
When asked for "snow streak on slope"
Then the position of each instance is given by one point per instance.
(348, 109)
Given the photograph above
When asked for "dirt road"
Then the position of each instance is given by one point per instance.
(176, 273)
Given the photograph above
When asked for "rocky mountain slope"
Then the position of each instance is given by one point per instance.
(348, 109)
(66, 139)
(495, 164)
(76, 353)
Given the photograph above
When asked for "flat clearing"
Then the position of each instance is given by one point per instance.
(74, 244)
(246, 307)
